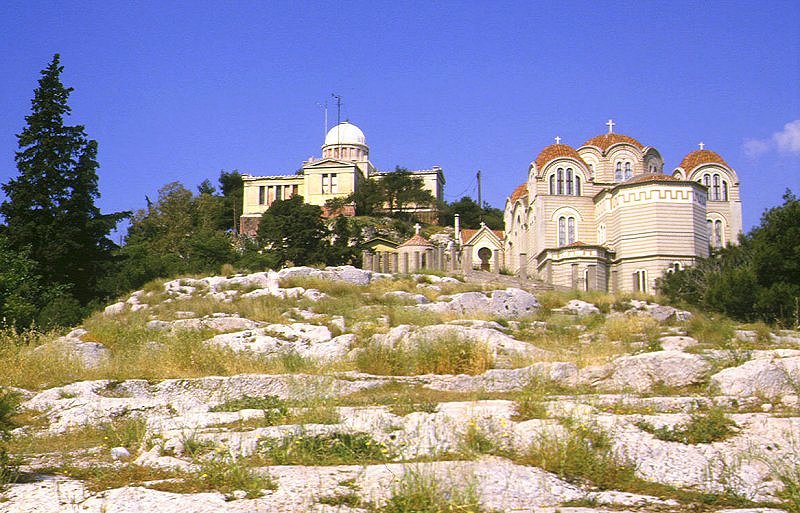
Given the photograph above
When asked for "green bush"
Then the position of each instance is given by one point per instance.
(8, 406)
(703, 428)
(325, 449)
(417, 492)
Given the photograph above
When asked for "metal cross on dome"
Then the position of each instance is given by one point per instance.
(702, 145)
(417, 227)
(610, 126)
(558, 140)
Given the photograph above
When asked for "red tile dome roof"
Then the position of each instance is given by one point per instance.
(519, 192)
(652, 177)
(554, 151)
(417, 240)
(605, 141)
(698, 157)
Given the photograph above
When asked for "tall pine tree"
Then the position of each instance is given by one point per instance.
(50, 212)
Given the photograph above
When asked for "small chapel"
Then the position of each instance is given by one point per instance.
(605, 216)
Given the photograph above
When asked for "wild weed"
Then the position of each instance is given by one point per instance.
(445, 355)
(703, 427)
(324, 449)
(420, 492)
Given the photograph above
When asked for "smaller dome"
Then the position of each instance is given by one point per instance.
(699, 157)
(519, 192)
(345, 133)
(416, 240)
(554, 151)
(605, 141)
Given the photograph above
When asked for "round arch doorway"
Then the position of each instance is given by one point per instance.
(485, 254)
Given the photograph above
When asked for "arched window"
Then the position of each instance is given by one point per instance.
(560, 181)
(552, 184)
(618, 172)
(570, 230)
(601, 234)
(577, 185)
(567, 230)
(569, 180)
(628, 172)
(707, 180)
(716, 193)
(710, 230)
(724, 190)
(718, 236)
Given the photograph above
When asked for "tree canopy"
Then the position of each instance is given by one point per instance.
(758, 279)
(292, 231)
(471, 214)
(50, 213)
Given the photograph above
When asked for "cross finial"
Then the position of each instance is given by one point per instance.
(610, 126)
(702, 145)
(558, 140)
(417, 228)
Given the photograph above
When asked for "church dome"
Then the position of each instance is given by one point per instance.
(699, 157)
(345, 133)
(605, 141)
(554, 151)
(519, 192)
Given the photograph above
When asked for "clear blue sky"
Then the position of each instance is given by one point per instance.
(182, 90)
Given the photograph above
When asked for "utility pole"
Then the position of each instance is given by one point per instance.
(480, 201)
(325, 108)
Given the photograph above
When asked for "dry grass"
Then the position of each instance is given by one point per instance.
(446, 355)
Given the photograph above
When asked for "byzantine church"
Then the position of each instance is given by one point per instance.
(605, 216)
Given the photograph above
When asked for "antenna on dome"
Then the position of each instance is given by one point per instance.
(338, 115)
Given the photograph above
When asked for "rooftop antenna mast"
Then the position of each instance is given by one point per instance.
(325, 108)
(338, 115)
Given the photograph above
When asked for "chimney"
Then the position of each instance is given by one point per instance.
(457, 222)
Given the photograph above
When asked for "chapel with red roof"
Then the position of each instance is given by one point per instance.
(606, 216)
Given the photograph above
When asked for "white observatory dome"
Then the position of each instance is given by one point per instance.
(345, 133)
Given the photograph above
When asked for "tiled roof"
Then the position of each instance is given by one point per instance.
(519, 192)
(576, 244)
(605, 141)
(555, 151)
(417, 240)
(698, 157)
(468, 233)
(652, 177)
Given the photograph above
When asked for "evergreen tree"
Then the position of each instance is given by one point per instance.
(233, 191)
(293, 231)
(50, 210)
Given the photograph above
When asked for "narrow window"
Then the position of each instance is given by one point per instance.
(618, 172)
(569, 181)
(553, 183)
(640, 281)
(709, 229)
(560, 181)
(718, 239)
(325, 183)
(334, 183)
(577, 185)
(262, 194)
(562, 231)
(628, 172)
(570, 230)
(707, 180)
(724, 190)
(716, 188)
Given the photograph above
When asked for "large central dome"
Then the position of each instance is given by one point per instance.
(345, 133)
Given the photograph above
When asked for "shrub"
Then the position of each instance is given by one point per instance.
(702, 428)
(446, 355)
(418, 492)
(324, 449)
(8, 406)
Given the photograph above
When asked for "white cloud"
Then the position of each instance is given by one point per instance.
(755, 147)
(788, 140)
(785, 141)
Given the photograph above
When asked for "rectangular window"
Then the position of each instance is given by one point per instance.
(325, 183)
(262, 194)
(640, 281)
(334, 183)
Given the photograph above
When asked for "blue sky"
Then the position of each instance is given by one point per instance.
(182, 90)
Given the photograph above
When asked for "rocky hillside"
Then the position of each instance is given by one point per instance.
(309, 390)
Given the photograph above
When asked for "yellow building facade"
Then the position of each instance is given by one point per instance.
(342, 168)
